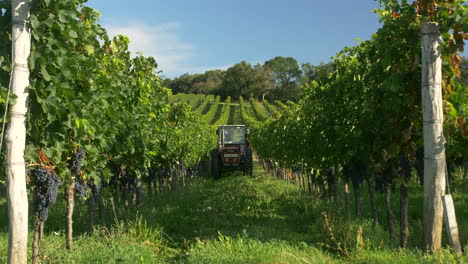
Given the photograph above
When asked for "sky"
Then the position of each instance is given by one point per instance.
(193, 36)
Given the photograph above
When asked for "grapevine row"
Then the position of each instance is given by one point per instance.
(259, 113)
(196, 100)
(271, 109)
(224, 116)
(210, 115)
(245, 115)
(202, 108)
(97, 116)
(362, 121)
(280, 105)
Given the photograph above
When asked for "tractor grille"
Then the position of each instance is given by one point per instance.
(231, 156)
(231, 150)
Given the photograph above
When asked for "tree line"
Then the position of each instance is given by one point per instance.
(277, 79)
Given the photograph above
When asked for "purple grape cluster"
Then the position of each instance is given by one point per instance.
(46, 185)
(405, 167)
(75, 169)
(81, 189)
(126, 185)
(390, 172)
(95, 189)
(76, 161)
(355, 172)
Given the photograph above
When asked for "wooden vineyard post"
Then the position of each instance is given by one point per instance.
(451, 224)
(434, 148)
(16, 136)
(70, 200)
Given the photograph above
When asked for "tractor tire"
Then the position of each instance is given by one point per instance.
(248, 162)
(215, 166)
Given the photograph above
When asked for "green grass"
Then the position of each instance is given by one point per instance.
(237, 219)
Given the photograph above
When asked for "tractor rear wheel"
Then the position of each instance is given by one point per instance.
(248, 162)
(215, 166)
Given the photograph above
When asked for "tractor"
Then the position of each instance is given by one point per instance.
(233, 151)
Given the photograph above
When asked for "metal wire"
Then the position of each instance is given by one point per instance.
(447, 179)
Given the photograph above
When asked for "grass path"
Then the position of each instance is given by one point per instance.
(234, 115)
(237, 219)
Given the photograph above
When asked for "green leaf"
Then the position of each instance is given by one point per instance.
(465, 27)
(34, 22)
(72, 34)
(67, 74)
(44, 73)
(89, 49)
(114, 47)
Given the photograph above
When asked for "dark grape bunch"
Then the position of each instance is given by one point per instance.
(81, 189)
(46, 184)
(76, 161)
(75, 169)
(405, 167)
(95, 189)
(354, 172)
(126, 185)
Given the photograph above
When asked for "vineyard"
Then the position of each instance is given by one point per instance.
(217, 112)
(293, 201)
(117, 167)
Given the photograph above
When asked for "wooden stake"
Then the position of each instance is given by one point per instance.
(70, 198)
(434, 148)
(37, 239)
(451, 224)
(16, 136)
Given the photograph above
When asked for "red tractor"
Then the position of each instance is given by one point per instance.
(233, 151)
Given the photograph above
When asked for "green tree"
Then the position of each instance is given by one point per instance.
(181, 84)
(237, 79)
(286, 74)
(208, 82)
(312, 72)
(262, 83)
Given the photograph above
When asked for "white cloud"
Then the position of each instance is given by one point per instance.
(160, 41)
(164, 43)
(204, 69)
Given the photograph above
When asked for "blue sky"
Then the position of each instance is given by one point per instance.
(197, 35)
